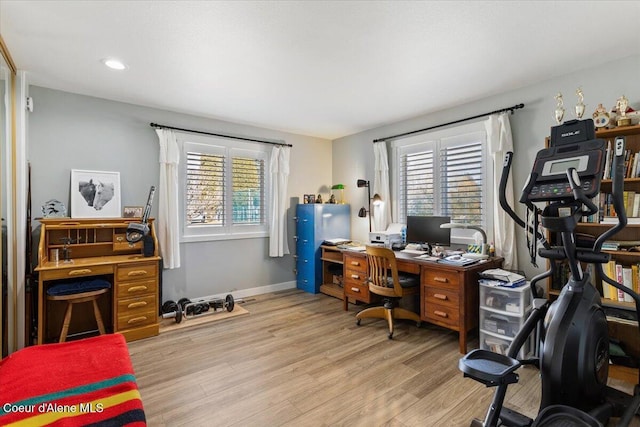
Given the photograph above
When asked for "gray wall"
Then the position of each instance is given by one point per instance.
(69, 131)
(530, 126)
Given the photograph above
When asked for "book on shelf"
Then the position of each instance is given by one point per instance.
(628, 276)
(631, 160)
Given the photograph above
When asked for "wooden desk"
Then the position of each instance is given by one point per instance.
(449, 295)
(99, 249)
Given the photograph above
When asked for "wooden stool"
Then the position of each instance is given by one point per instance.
(78, 298)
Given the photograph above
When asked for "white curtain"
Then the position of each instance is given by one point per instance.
(500, 142)
(279, 168)
(382, 212)
(168, 229)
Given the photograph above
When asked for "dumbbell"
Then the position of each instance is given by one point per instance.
(172, 310)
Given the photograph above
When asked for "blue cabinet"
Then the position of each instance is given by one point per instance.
(316, 223)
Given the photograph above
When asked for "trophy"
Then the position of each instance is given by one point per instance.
(559, 108)
(601, 117)
(622, 104)
(580, 105)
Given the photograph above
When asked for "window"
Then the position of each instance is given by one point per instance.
(446, 173)
(225, 186)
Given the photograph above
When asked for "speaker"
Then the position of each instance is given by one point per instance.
(148, 247)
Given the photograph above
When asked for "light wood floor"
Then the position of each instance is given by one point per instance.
(298, 359)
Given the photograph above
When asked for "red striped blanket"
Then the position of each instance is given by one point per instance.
(84, 382)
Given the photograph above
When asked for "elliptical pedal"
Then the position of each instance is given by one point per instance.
(489, 368)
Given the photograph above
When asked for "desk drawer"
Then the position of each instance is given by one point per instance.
(440, 278)
(134, 320)
(73, 272)
(137, 271)
(442, 315)
(441, 296)
(354, 276)
(357, 290)
(357, 264)
(120, 243)
(130, 306)
(132, 289)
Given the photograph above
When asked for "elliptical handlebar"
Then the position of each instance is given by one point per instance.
(578, 193)
(506, 168)
(617, 193)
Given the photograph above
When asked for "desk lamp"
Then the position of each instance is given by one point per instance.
(471, 255)
(341, 188)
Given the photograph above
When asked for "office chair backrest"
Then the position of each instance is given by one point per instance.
(383, 270)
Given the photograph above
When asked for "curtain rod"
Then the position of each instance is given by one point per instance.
(242, 138)
(503, 110)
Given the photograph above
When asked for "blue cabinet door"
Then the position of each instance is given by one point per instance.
(316, 223)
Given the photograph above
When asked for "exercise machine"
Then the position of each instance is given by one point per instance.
(574, 342)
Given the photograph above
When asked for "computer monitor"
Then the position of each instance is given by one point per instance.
(426, 229)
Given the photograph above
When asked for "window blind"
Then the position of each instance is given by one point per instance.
(248, 190)
(461, 173)
(205, 198)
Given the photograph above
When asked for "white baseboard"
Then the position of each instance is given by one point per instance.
(245, 293)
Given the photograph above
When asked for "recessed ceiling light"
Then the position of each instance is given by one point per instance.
(114, 64)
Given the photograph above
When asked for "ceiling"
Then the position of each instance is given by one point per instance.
(319, 68)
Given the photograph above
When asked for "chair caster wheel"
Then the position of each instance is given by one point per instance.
(358, 322)
(390, 336)
(418, 324)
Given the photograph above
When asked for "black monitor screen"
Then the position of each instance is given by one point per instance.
(426, 229)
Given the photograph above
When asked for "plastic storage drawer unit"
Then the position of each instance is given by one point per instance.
(511, 300)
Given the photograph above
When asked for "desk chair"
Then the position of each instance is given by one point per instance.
(75, 293)
(384, 280)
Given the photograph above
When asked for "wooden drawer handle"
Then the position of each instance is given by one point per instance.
(440, 296)
(137, 319)
(137, 304)
(78, 272)
(355, 276)
(355, 290)
(356, 263)
(441, 279)
(137, 288)
(440, 313)
(137, 273)
(120, 239)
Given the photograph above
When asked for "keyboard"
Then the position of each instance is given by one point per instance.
(413, 251)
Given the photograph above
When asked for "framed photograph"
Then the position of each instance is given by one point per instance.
(132, 211)
(95, 194)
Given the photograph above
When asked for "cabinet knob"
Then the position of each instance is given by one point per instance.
(440, 313)
(137, 288)
(356, 263)
(137, 304)
(355, 290)
(79, 272)
(137, 319)
(137, 273)
(440, 296)
(441, 279)
(355, 276)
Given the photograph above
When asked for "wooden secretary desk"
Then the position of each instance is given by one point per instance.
(97, 248)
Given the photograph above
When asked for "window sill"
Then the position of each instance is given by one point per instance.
(215, 237)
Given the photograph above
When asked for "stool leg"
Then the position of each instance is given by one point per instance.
(66, 322)
(96, 312)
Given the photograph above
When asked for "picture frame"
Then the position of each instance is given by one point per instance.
(132, 211)
(95, 194)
